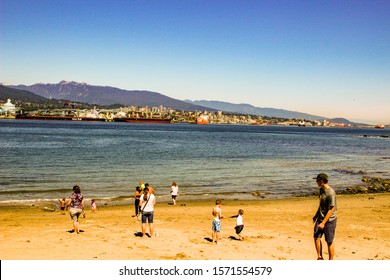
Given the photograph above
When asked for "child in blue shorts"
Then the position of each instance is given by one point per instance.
(216, 224)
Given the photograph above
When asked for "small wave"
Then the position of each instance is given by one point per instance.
(375, 136)
(34, 191)
(352, 172)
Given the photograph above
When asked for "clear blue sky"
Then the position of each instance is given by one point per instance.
(329, 58)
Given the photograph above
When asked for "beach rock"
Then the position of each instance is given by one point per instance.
(386, 182)
(374, 189)
(375, 185)
(362, 190)
(365, 179)
(256, 193)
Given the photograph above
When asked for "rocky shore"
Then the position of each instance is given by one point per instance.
(369, 185)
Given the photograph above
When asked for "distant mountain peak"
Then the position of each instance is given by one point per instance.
(106, 95)
(64, 82)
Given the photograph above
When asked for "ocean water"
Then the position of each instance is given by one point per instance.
(42, 160)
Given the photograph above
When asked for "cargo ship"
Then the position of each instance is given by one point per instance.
(102, 118)
(57, 118)
(143, 120)
(380, 126)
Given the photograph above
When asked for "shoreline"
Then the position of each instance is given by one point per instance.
(274, 230)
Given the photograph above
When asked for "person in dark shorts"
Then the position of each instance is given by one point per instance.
(62, 205)
(325, 219)
(137, 196)
(239, 223)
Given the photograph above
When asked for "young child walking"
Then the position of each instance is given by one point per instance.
(62, 205)
(216, 224)
(239, 223)
(94, 206)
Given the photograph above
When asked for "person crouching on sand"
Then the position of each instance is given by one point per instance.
(216, 224)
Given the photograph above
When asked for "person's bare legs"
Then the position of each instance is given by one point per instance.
(318, 244)
(75, 226)
(216, 237)
(213, 234)
(151, 229)
(143, 228)
(331, 250)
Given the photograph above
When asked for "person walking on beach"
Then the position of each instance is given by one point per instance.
(239, 223)
(216, 223)
(174, 192)
(325, 218)
(148, 201)
(137, 195)
(94, 206)
(76, 205)
(62, 205)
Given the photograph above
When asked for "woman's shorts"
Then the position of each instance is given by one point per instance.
(329, 231)
(147, 216)
(75, 213)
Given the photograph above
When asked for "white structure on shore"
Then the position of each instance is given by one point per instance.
(8, 109)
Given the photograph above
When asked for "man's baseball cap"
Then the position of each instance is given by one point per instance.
(322, 176)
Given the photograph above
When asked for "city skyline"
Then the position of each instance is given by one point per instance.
(329, 58)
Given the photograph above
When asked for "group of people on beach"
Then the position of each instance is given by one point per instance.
(144, 202)
(325, 218)
(216, 223)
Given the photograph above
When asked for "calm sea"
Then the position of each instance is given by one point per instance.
(42, 160)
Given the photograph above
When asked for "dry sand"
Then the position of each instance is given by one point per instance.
(274, 230)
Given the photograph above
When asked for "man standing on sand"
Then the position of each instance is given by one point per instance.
(325, 218)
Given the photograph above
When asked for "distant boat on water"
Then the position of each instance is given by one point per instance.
(381, 126)
(203, 119)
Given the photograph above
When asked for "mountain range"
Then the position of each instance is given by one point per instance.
(106, 95)
(252, 110)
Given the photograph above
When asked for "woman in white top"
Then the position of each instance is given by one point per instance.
(147, 202)
(174, 192)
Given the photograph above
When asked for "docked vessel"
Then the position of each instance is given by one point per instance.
(66, 114)
(143, 120)
(203, 119)
(57, 118)
(91, 119)
(381, 126)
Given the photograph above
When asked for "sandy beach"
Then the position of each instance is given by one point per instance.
(274, 230)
